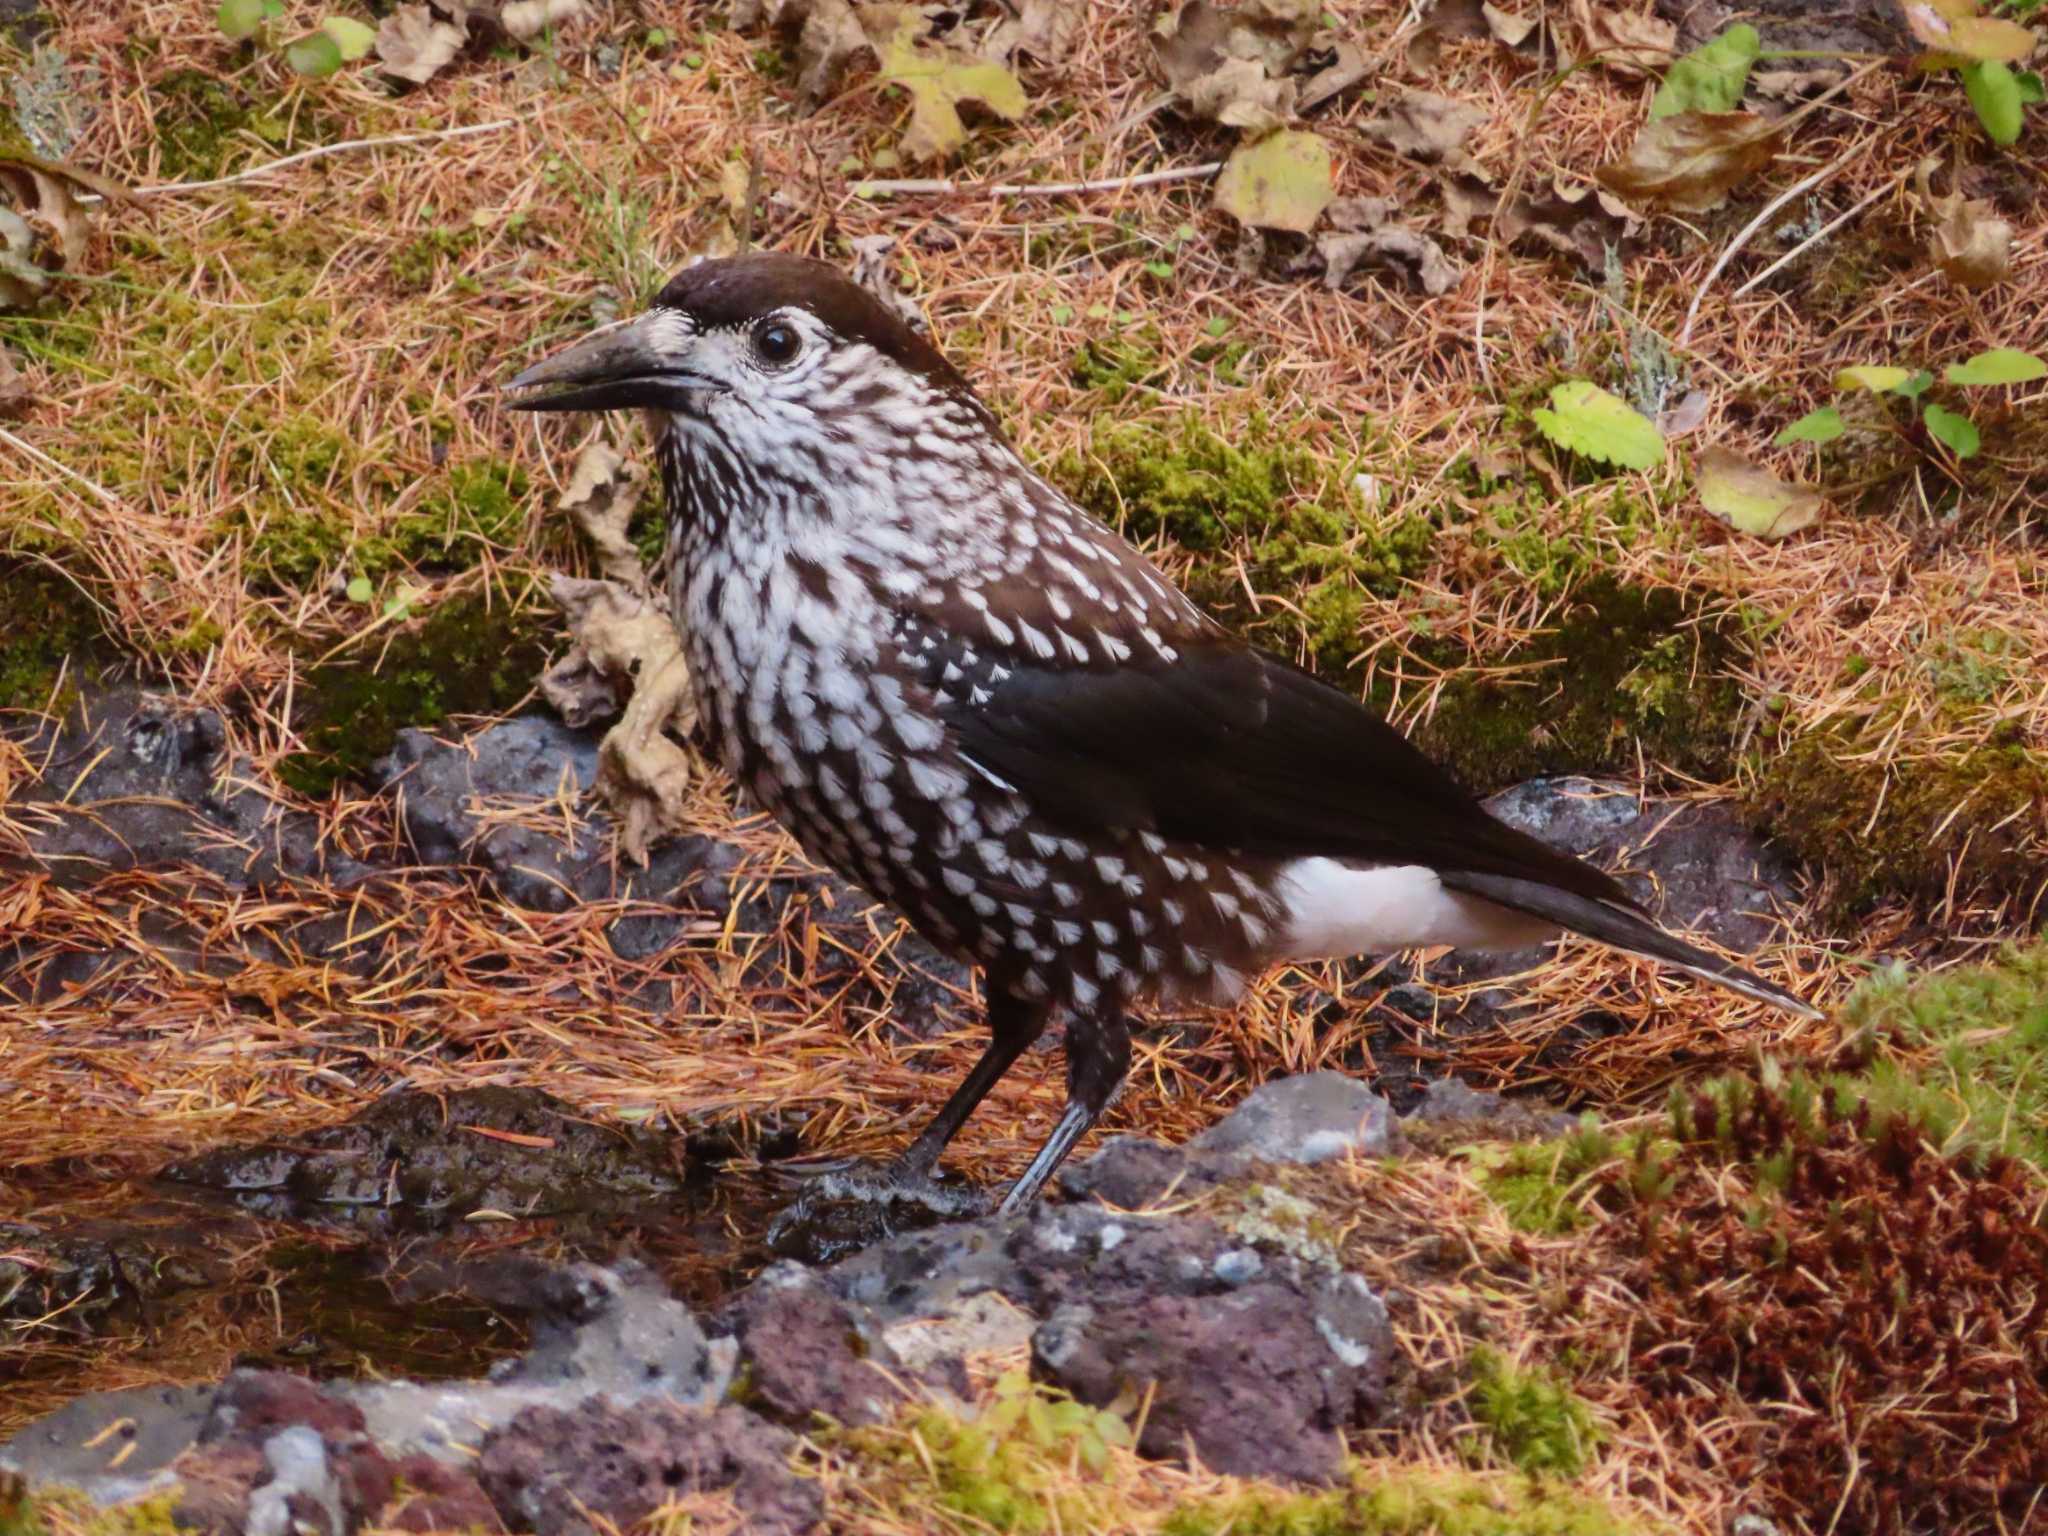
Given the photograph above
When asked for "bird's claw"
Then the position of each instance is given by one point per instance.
(844, 1206)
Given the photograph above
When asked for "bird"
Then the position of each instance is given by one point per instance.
(986, 708)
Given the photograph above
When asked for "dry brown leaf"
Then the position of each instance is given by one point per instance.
(827, 34)
(603, 490)
(1425, 126)
(1230, 66)
(15, 394)
(415, 44)
(1625, 42)
(1509, 29)
(1468, 19)
(1040, 29)
(1580, 222)
(1408, 251)
(623, 644)
(45, 230)
(523, 19)
(1969, 241)
(1689, 162)
(1346, 68)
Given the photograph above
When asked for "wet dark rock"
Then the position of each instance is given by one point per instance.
(560, 1471)
(843, 1210)
(137, 780)
(1261, 1385)
(441, 787)
(1834, 26)
(420, 1161)
(804, 1351)
(75, 1282)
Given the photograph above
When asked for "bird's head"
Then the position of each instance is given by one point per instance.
(766, 347)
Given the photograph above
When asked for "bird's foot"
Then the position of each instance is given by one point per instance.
(845, 1206)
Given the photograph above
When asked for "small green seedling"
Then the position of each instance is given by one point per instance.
(1945, 425)
(1983, 50)
(339, 40)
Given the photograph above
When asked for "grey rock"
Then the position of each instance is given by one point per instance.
(73, 1447)
(1310, 1118)
(1127, 1171)
(1447, 1101)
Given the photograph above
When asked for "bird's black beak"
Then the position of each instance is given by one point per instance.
(642, 362)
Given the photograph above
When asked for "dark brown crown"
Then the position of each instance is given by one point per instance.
(737, 290)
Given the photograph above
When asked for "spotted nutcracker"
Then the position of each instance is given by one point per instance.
(970, 697)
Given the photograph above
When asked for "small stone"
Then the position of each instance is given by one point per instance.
(806, 1352)
(1307, 1119)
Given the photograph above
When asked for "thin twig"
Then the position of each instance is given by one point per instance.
(939, 187)
(1823, 232)
(172, 188)
(1748, 231)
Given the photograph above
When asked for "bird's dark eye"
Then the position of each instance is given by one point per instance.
(776, 342)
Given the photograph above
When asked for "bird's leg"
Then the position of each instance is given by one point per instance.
(1098, 1057)
(1014, 1024)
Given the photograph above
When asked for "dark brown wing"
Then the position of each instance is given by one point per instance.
(1228, 747)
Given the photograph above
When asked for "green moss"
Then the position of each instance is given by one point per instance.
(1880, 826)
(1543, 1185)
(463, 657)
(46, 624)
(205, 125)
(1975, 1041)
(482, 505)
(23, 1514)
(1030, 1462)
(1400, 1501)
(1530, 1417)
(1285, 512)
(1627, 674)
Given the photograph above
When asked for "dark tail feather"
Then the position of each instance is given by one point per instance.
(1623, 929)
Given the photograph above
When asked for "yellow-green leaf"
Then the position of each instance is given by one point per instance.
(350, 36)
(1587, 419)
(1875, 377)
(1821, 426)
(1710, 78)
(1751, 499)
(1968, 36)
(1955, 429)
(938, 80)
(1283, 181)
(2001, 365)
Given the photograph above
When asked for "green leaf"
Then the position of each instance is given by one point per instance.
(1283, 181)
(1957, 431)
(1062, 314)
(240, 18)
(2032, 91)
(350, 36)
(1821, 426)
(1711, 77)
(1159, 269)
(1587, 419)
(1876, 377)
(1217, 327)
(2001, 365)
(938, 80)
(1995, 93)
(316, 55)
(360, 590)
(1753, 500)
(1916, 386)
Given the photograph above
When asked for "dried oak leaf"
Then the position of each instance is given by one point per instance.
(828, 36)
(44, 231)
(1426, 127)
(1580, 222)
(416, 42)
(603, 490)
(1969, 241)
(1688, 163)
(1625, 42)
(1231, 66)
(1408, 251)
(625, 645)
(1346, 67)
(1040, 29)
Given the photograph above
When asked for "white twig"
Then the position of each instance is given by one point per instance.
(940, 187)
(1823, 232)
(1743, 235)
(319, 151)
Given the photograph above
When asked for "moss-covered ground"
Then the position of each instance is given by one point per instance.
(264, 462)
